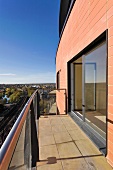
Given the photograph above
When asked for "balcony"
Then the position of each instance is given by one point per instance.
(51, 142)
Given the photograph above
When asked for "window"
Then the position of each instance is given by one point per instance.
(58, 80)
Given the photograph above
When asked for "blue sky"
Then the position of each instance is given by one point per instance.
(28, 40)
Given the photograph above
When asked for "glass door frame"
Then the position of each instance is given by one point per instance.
(92, 133)
(83, 86)
(76, 64)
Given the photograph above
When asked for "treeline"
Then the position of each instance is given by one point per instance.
(13, 94)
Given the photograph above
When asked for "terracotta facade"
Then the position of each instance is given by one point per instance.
(87, 21)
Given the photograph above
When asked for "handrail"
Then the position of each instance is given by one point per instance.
(9, 144)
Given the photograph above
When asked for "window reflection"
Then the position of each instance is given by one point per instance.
(95, 88)
(90, 80)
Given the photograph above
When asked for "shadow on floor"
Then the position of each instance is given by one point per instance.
(53, 160)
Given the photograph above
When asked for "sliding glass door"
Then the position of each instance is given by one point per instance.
(94, 89)
(90, 88)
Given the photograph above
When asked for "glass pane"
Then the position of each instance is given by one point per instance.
(78, 87)
(22, 153)
(90, 86)
(95, 89)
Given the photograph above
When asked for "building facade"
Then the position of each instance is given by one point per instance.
(84, 68)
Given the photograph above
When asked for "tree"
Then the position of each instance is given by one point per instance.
(11, 98)
(13, 90)
(15, 96)
(4, 101)
(1, 95)
(30, 91)
(8, 92)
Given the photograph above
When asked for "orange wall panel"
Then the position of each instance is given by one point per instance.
(88, 19)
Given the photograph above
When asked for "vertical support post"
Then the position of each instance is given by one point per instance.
(34, 138)
(37, 105)
(65, 102)
(83, 87)
(27, 144)
(30, 156)
(36, 114)
(72, 86)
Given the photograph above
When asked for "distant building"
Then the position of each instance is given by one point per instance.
(43, 95)
(2, 90)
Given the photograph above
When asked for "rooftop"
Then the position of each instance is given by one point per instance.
(63, 146)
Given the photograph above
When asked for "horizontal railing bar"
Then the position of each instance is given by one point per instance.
(5, 157)
(10, 135)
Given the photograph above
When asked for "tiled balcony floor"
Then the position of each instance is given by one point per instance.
(63, 146)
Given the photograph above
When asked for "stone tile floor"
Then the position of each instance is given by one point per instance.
(63, 146)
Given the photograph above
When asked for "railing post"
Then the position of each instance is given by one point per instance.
(38, 106)
(36, 114)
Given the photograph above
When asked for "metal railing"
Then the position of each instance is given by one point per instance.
(9, 117)
(48, 104)
(20, 148)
